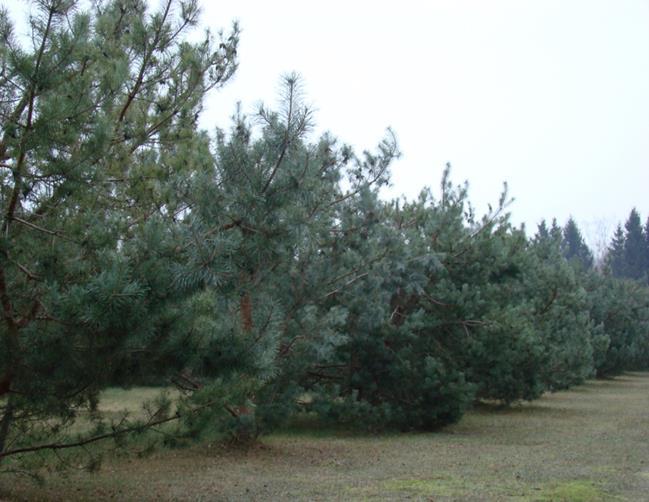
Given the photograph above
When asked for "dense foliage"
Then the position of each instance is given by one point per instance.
(259, 270)
(98, 144)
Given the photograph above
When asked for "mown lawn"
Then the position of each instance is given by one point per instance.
(587, 444)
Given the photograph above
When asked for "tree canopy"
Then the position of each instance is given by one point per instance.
(258, 270)
(98, 144)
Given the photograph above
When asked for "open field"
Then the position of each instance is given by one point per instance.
(587, 444)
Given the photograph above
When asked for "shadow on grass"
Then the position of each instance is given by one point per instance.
(522, 409)
(309, 424)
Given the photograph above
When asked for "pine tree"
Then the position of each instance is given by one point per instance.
(620, 311)
(454, 295)
(252, 267)
(561, 314)
(278, 238)
(98, 141)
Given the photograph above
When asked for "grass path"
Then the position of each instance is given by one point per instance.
(587, 444)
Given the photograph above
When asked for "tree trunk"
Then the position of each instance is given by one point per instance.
(245, 306)
(5, 383)
(5, 423)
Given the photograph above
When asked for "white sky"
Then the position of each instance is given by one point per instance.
(551, 96)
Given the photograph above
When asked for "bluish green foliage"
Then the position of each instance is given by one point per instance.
(560, 309)
(98, 142)
(621, 310)
(470, 300)
(390, 371)
(259, 270)
(263, 221)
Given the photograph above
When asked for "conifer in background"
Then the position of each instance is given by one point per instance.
(628, 253)
(635, 250)
(574, 247)
(615, 253)
(646, 247)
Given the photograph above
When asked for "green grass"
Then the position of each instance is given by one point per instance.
(587, 444)
(575, 491)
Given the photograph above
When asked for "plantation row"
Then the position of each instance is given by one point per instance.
(258, 271)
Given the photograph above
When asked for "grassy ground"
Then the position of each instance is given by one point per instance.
(587, 444)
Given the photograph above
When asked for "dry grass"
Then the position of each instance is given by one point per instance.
(587, 444)
(116, 400)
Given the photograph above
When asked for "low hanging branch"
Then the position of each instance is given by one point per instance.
(93, 439)
(109, 435)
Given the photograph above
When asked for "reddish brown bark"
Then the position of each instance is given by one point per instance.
(245, 306)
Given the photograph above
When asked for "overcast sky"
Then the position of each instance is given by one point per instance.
(551, 96)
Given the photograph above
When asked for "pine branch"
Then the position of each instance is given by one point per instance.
(94, 439)
(109, 435)
(30, 275)
(34, 226)
(145, 63)
(287, 137)
(348, 283)
(554, 296)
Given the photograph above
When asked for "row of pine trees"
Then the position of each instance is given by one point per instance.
(258, 269)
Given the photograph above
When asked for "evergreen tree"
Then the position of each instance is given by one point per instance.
(646, 247)
(556, 232)
(620, 309)
(542, 232)
(254, 268)
(635, 251)
(392, 371)
(574, 248)
(561, 313)
(615, 254)
(451, 300)
(279, 240)
(98, 142)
